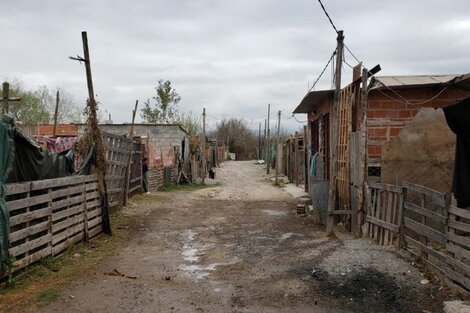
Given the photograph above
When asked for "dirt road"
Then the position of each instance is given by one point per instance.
(241, 247)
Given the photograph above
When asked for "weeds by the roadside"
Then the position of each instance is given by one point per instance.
(186, 188)
(40, 282)
(279, 184)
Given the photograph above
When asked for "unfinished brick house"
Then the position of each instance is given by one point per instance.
(403, 131)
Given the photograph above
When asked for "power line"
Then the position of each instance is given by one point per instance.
(323, 71)
(352, 54)
(406, 101)
(328, 16)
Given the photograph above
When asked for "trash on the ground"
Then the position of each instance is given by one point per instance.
(457, 306)
(424, 282)
(167, 277)
(115, 272)
(77, 255)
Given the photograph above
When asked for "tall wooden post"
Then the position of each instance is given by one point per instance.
(204, 162)
(277, 144)
(259, 142)
(305, 159)
(296, 158)
(131, 153)
(362, 155)
(264, 141)
(332, 192)
(267, 142)
(6, 98)
(56, 113)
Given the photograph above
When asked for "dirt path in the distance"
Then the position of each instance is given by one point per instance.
(241, 247)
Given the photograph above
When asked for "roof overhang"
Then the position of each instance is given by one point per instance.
(311, 100)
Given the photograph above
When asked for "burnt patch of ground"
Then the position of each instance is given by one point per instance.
(368, 290)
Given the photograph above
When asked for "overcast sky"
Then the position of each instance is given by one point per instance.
(232, 57)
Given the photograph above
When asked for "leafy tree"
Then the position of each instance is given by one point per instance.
(241, 140)
(191, 123)
(166, 101)
(38, 106)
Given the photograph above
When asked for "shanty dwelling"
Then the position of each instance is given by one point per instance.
(407, 137)
(401, 165)
(165, 145)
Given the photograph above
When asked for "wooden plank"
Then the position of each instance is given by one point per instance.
(34, 257)
(93, 204)
(459, 212)
(29, 216)
(464, 241)
(459, 252)
(465, 282)
(423, 211)
(95, 231)
(135, 188)
(67, 202)
(94, 222)
(436, 254)
(137, 179)
(31, 230)
(458, 265)
(382, 224)
(66, 233)
(67, 243)
(387, 187)
(30, 245)
(425, 231)
(436, 197)
(68, 212)
(91, 186)
(67, 191)
(28, 202)
(459, 225)
(63, 181)
(68, 222)
(115, 190)
(92, 195)
(16, 188)
(91, 214)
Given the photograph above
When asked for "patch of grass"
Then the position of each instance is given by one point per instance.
(186, 187)
(279, 184)
(46, 296)
(38, 284)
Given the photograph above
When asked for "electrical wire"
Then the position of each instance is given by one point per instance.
(406, 101)
(323, 71)
(352, 54)
(328, 16)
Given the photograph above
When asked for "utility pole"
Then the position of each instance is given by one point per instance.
(332, 192)
(6, 98)
(131, 153)
(259, 142)
(277, 144)
(267, 142)
(362, 153)
(264, 141)
(204, 163)
(305, 159)
(56, 112)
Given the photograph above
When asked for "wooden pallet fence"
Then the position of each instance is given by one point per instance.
(384, 210)
(135, 183)
(458, 246)
(48, 216)
(425, 218)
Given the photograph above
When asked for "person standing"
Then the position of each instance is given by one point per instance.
(145, 169)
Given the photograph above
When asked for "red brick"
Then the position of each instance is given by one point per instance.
(405, 114)
(388, 105)
(380, 114)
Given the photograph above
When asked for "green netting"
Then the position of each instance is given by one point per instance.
(6, 156)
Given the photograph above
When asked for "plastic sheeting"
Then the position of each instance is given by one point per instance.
(6, 156)
(458, 120)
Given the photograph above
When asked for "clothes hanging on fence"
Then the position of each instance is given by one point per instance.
(458, 120)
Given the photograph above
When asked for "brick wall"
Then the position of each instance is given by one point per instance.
(387, 117)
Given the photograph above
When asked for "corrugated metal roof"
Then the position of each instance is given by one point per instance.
(412, 80)
(312, 99)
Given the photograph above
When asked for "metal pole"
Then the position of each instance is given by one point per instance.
(277, 144)
(204, 145)
(267, 142)
(56, 112)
